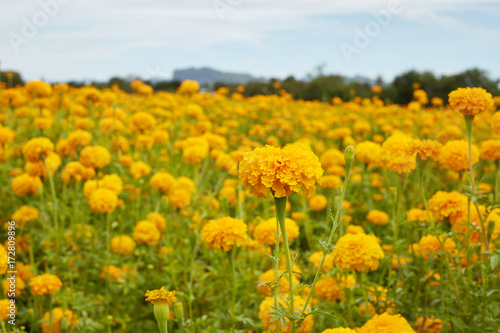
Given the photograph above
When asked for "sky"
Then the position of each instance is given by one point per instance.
(61, 40)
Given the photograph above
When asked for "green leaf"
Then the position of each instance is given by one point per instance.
(494, 261)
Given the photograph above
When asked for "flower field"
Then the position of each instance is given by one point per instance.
(215, 212)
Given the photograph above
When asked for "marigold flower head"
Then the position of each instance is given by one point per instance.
(45, 284)
(284, 171)
(37, 148)
(4, 311)
(79, 138)
(161, 295)
(139, 169)
(265, 231)
(268, 277)
(163, 181)
(19, 286)
(59, 317)
(416, 214)
(447, 204)
(25, 184)
(331, 182)
(189, 87)
(38, 88)
(146, 232)
(179, 197)
(24, 215)
(386, 323)
(426, 149)
(95, 157)
(318, 202)
(455, 155)
(315, 259)
(332, 289)
(377, 217)
(428, 325)
(122, 244)
(265, 309)
(224, 233)
(339, 330)
(4, 259)
(396, 154)
(430, 246)
(157, 219)
(471, 101)
(495, 123)
(103, 201)
(490, 150)
(357, 252)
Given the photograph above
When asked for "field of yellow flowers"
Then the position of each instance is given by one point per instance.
(215, 212)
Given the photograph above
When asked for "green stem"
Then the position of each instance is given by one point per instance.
(163, 326)
(348, 307)
(359, 277)
(280, 216)
(469, 124)
(497, 181)
(233, 300)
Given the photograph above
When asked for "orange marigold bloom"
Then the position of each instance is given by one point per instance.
(160, 296)
(316, 257)
(447, 204)
(95, 157)
(386, 323)
(455, 155)
(490, 150)
(396, 154)
(377, 217)
(331, 181)
(37, 149)
(471, 101)
(76, 171)
(265, 309)
(163, 181)
(284, 171)
(430, 245)
(318, 202)
(428, 325)
(357, 252)
(426, 149)
(45, 284)
(103, 201)
(495, 123)
(24, 215)
(179, 197)
(265, 231)
(416, 214)
(59, 317)
(4, 311)
(122, 244)
(268, 277)
(224, 233)
(25, 184)
(331, 289)
(139, 169)
(146, 232)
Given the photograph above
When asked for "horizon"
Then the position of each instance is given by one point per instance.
(72, 40)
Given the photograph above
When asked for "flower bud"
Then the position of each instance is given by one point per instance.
(179, 310)
(349, 153)
(161, 311)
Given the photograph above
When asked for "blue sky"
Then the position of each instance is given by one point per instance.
(98, 39)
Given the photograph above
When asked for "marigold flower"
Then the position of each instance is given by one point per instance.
(377, 217)
(76, 171)
(265, 309)
(103, 201)
(339, 330)
(416, 214)
(332, 289)
(160, 296)
(45, 284)
(368, 152)
(471, 101)
(38, 148)
(455, 155)
(39, 88)
(396, 154)
(122, 244)
(79, 138)
(430, 245)
(25, 184)
(179, 197)
(284, 171)
(4, 259)
(315, 259)
(59, 317)
(189, 87)
(386, 323)
(265, 231)
(38, 169)
(426, 149)
(19, 286)
(115, 273)
(318, 202)
(357, 252)
(24, 215)
(139, 169)
(163, 181)
(495, 123)
(447, 205)
(268, 277)
(146, 232)
(4, 311)
(157, 219)
(224, 233)
(331, 182)
(95, 157)
(490, 150)
(429, 325)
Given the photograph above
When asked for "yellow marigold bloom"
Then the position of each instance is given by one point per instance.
(490, 150)
(315, 259)
(229, 193)
(139, 169)
(4, 259)
(4, 309)
(160, 296)
(339, 330)
(429, 246)
(189, 87)
(447, 204)
(265, 231)
(122, 244)
(332, 157)
(38, 169)
(157, 219)
(146, 232)
(396, 154)
(318, 202)
(377, 217)
(38, 148)
(495, 123)
(331, 182)
(95, 157)
(436, 101)
(471, 101)
(426, 149)
(368, 152)
(45, 284)
(79, 138)
(429, 325)
(187, 184)
(76, 171)
(115, 273)
(355, 229)
(179, 197)
(268, 277)
(24, 184)
(265, 309)
(297, 216)
(284, 171)
(18, 286)
(6, 135)
(125, 160)
(60, 318)
(386, 323)
(195, 153)
(332, 289)
(416, 214)
(38, 88)
(224, 233)
(103, 201)
(455, 155)
(357, 252)
(24, 215)
(163, 181)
